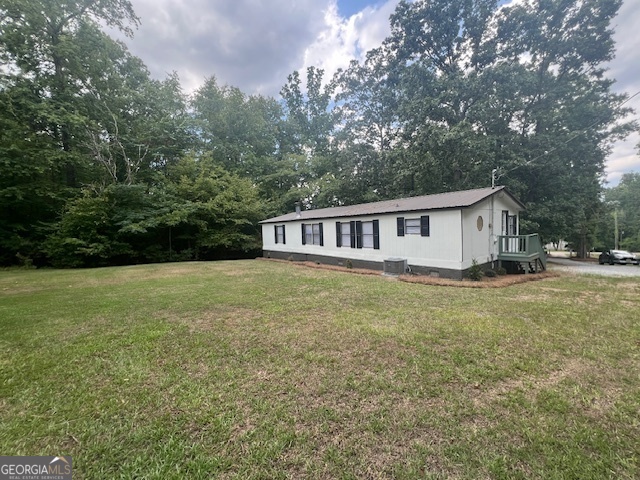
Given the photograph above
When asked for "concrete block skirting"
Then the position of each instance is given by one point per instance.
(371, 265)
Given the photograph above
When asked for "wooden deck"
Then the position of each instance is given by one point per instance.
(524, 249)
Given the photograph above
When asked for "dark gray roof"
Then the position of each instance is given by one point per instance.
(438, 201)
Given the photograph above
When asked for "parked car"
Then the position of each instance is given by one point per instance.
(617, 256)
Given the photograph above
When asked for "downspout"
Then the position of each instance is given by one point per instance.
(491, 233)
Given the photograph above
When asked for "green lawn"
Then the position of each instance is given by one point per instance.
(257, 369)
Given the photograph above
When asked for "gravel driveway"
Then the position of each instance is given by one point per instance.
(589, 268)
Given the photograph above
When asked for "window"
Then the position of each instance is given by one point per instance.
(346, 234)
(279, 232)
(312, 234)
(413, 226)
(368, 234)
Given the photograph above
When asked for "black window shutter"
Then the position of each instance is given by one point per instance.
(424, 226)
(304, 240)
(358, 234)
(321, 235)
(284, 237)
(338, 234)
(275, 230)
(376, 234)
(353, 234)
(400, 226)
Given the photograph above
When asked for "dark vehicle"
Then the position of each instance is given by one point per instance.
(617, 256)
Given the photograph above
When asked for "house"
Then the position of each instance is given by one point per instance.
(438, 235)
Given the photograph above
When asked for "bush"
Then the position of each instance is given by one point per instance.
(501, 271)
(348, 264)
(475, 272)
(490, 273)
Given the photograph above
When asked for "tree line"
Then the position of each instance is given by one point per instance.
(100, 164)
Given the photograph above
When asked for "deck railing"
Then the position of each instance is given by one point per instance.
(525, 247)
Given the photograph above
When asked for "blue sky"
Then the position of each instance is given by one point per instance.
(346, 8)
(254, 45)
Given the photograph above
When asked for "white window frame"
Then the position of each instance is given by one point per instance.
(345, 234)
(367, 237)
(412, 226)
(312, 233)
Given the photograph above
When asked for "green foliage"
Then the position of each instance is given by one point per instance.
(622, 202)
(199, 212)
(95, 162)
(475, 272)
(222, 209)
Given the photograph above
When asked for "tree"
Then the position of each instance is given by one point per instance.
(622, 201)
(237, 130)
(45, 47)
(222, 209)
(41, 40)
(521, 89)
(310, 120)
(367, 103)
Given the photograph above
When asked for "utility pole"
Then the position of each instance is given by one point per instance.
(616, 234)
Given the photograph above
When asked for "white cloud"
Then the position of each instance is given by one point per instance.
(345, 39)
(253, 45)
(244, 43)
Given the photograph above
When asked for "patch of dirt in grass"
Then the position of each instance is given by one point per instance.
(135, 273)
(526, 297)
(573, 369)
(555, 290)
(22, 290)
(211, 320)
(92, 326)
(578, 371)
(628, 287)
(344, 392)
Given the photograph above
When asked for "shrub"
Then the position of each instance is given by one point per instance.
(501, 271)
(490, 273)
(475, 272)
(348, 263)
(25, 261)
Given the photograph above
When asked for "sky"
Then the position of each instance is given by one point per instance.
(254, 45)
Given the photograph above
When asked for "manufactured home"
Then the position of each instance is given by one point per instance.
(439, 235)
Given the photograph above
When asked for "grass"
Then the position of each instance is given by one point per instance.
(256, 369)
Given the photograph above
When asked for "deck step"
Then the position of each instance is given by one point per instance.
(531, 267)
